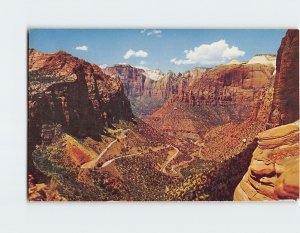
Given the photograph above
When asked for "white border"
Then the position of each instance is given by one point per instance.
(16, 215)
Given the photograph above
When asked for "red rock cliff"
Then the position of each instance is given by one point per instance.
(285, 107)
(145, 94)
(71, 92)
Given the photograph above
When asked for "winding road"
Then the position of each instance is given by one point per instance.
(163, 169)
(114, 159)
(185, 162)
(93, 162)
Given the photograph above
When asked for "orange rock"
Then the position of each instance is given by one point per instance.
(274, 170)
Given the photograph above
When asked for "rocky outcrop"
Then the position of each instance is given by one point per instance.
(285, 107)
(274, 169)
(132, 78)
(262, 105)
(146, 89)
(43, 192)
(74, 93)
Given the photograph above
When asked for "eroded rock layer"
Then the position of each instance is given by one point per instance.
(274, 170)
(147, 90)
(74, 93)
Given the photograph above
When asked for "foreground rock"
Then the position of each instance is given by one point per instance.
(274, 170)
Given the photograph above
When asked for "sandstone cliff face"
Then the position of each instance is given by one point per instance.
(240, 87)
(65, 90)
(235, 84)
(274, 170)
(227, 84)
(132, 78)
(285, 107)
(147, 90)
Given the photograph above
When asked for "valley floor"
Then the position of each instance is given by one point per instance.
(134, 161)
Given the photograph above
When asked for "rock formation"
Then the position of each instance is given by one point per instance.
(69, 94)
(268, 59)
(132, 78)
(223, 85)
(66, 90)
(285, 107)
(146, 89)
(42, 192)
(227, 84)
(274, 170)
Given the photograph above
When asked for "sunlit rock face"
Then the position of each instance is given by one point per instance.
(266, 59)
(274, 170)
(146, 89)
(71, 92)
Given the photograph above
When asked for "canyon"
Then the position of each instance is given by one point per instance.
(229, 132)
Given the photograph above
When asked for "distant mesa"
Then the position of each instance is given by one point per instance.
(234, 62)
(154, 74)
(266, 59)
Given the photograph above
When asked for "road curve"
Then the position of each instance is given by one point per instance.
(124, 156)
(163, 169)
(185, 162)
(93, 162)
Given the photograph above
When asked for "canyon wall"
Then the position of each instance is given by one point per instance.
(274, 169)
(285, 107)
(235, 84)
(71, 95)
(147, 90)
(228, 84)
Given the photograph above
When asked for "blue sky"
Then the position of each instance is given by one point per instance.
(165, 49)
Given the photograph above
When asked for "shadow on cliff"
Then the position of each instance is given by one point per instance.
(228, 174)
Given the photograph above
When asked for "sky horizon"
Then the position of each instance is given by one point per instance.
(165, 49)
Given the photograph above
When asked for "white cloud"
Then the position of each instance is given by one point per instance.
(210, 54)
(181, 62)
(83, 48)
(132, 53)
(153, 32)
(143, 62)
